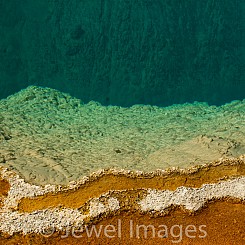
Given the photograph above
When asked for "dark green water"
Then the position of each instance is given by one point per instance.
(125, 52)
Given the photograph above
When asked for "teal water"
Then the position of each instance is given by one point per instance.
(121, 52)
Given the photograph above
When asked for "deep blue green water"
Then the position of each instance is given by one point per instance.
(123, 52)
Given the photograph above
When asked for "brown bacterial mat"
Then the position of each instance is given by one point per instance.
(4, 188)
(77, 197)
(220, 222)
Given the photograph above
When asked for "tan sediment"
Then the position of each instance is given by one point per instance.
(96, 186)
(223, 221)
(49, 137)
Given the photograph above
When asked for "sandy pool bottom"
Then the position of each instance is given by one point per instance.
(50, 137)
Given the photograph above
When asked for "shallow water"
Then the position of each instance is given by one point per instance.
(51, 137)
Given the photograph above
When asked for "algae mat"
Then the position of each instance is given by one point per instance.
(204, 205)
(222, 219)
(49, 137)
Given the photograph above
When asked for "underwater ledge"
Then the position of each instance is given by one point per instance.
(50, 137)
